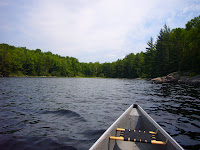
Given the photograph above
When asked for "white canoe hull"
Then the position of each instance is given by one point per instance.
(134, 118)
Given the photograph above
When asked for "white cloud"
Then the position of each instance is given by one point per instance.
(105, 29)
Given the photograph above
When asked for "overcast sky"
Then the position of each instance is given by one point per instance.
(90, 30)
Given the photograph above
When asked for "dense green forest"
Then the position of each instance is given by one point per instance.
(173, 50)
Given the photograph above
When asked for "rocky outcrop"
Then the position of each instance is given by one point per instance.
(172, 77)
(191, 80)
(175, 77)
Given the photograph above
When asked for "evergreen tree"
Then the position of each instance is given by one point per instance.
(174, 50)
(149, 59)
(163, 46)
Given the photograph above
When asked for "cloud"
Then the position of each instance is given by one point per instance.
(96, 26)
(102, 30)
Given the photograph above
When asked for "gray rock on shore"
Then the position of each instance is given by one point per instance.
(175, 77)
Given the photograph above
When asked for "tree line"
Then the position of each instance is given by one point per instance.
(173, 50)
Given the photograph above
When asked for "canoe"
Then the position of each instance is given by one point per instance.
(135, 130)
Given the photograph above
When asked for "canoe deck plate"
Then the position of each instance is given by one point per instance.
(137, 136)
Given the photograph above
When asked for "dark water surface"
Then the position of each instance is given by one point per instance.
(72, 113)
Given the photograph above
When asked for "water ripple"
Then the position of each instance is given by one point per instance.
(72, 113)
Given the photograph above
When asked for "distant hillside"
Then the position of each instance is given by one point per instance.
(174, 50)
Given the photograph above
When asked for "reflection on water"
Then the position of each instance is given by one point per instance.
(179, 113)
(71, 113)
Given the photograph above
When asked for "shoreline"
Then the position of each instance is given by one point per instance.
(175, 77)
(26, 76)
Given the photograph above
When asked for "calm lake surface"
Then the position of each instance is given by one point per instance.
(72, 113)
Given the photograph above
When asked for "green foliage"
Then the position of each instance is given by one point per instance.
(149, 59)
(163, 46)
(194, 23)
(20, 61)
(173, 50)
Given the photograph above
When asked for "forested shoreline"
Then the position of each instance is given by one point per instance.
(173, 50)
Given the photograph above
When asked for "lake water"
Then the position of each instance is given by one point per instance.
(72, 113)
